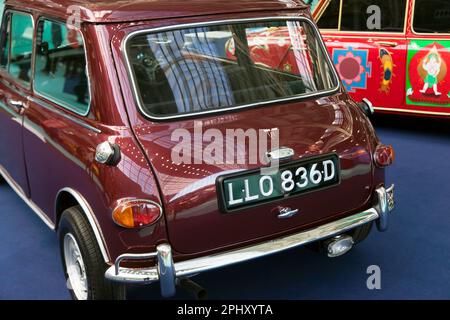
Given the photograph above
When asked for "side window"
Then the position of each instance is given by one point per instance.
(432, 16)
(4, 41)
(61, 74)
(2, 9)
(330, 17)
(21, 46)
(355, 16)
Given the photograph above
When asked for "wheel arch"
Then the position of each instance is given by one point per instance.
(67, 198)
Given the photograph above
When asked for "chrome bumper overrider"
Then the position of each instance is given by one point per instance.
(166, 271)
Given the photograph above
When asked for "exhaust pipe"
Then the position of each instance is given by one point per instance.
(193, 288)
(339, 245)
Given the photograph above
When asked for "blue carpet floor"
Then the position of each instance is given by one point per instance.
(414, 255)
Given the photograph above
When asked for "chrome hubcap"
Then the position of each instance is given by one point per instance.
(76, 271)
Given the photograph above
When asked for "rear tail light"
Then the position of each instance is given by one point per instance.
(136, 213)
(384, 155)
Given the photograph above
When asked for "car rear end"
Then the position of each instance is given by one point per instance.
(255, 146)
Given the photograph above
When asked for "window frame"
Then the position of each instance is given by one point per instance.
(300, 97)
(5, 13)
(5, 70)
(88, 77)
(413, 11)
(322, 11)
(339, 29)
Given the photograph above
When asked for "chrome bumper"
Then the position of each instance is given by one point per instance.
(166, 271)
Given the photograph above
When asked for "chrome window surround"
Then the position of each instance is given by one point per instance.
(53, 99)
(137, 95)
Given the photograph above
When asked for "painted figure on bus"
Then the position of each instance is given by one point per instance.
(431, 71)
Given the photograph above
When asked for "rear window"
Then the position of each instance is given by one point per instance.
(219, 67)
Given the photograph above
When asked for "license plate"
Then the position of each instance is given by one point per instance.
(251, 188)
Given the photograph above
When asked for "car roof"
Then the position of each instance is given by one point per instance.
(102, 11)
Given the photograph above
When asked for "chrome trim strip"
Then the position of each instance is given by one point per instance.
(59, 103)
(16, 90)
(17, 189)
(64, 114)
(92, 220)
(191, 267)
(219, 22)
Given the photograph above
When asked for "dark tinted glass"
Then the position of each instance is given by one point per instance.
(223, 66)
(432, 16)
(355, 16)
(330, 17)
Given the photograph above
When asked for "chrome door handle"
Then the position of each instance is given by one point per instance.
(387, 43)
(286, 213)
(16, 103)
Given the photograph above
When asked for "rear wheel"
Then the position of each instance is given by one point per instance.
(83, 264)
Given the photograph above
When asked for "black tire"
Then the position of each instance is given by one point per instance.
(74, 224)
(361, 233)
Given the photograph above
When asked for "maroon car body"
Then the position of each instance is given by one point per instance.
(48, 152)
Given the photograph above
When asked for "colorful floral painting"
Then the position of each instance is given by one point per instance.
(428, 81)
(353, 67)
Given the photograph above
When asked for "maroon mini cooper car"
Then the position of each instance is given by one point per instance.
(161, 139)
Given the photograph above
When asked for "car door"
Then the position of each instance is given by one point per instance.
(427, 78)
(15, 72)
(367, 42)
(60, 101)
